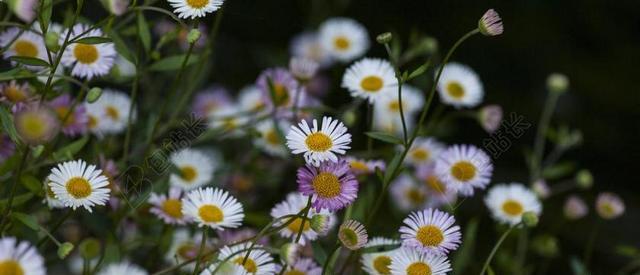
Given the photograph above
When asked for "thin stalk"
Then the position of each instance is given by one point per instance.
(327, 263)
(127, 137)
(588, 251)
(54, 228)
(201, 250)
(495, 249)
(12, 194)
(541, 133)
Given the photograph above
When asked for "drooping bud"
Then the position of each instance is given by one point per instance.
(530, 219)
(384, 38)
(116, 7)
(64, 250)
(490, 24)
(320, 224)
(51, 40)
(557, 83)
(303, 69)
(193, 36)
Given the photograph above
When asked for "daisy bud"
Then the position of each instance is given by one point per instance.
(24, 9)
(384, 38)
(541, 189)
(36, 124)
(530, 219)
(545, 245)
(557, 83)
(584, 179)
(575, 208)
(490, 24)
(353, 235)
(94, 94)
(320, 223)
(349, 118)
(290, 252)
(89, 248)
(116, 7)
(51, 40)
(65, 249)
(429, 45)
(609, 206)
(303, 69)
(193, 36)
(490, 117)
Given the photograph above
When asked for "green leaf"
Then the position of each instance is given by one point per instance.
(559, 170)
(121, 47)
(143, 32)
(464, 255)
(68, 151)
(419, 71)
(31, 61)
(7, 125)
(393, 165)
(45, 13)
(94, 40)
(386, 137)
(17, 200)
(14, 74)
(9, 164)
(172, 63)
(27, 220)
(32, 183)
(318, 252)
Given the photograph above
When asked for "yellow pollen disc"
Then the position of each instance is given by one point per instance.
(512, 208)
(93, 122)
(281, 94)
(272, 137)
(249, 265)
(296, 223)
(318, 142)
(418, 268)
(112, 112)
(420, 154)
(455, 90)
(32, 125)
(64, 112)
(371, 83)
(173, 208)
(430, 235)
(25, 48)
(394, 106)
(381, 264)
(188, 173)
(607, 209)
(10, 267)
(294, 272)
(463, 171)
(210, 213)
(14, 94)
(359, 165)
(435, 184)
(326, 185)
(415, 196)
(342, 43)
(78, 187)
(197, 4)
(85, 53)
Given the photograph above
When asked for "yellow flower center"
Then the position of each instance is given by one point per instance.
(512, 208)
(197, 4)
(78, 187)
(210, 213)
(430, 235)
(249, 265)
(173, 208)
(112, 112)
(415, 196)
(63, 112)
(14, 94)
(281, 94)
(420, 154)
(32, 125)
(326, 185)
(371, 83)
(188, 173)
(93, 122)
(25, 48)
(463, 171)
(455, 90)
(319, 142)
(295, 225)
(418, 268)
(381, 264)
(85, 53)
(272, 137)
(359, 165)
(394, 106)
(435, 184)
(294, 272)
(342, 43)
(10, 267)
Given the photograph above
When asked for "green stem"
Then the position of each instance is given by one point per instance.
(541, 133)
(127, 137)
(588, 251)
(7, 211)
(202, 243)
(495, 249)
(327, 266)
(54, 228)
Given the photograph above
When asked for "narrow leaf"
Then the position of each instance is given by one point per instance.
(94, 40)
(172, 63)
(143, 32)
(32, 183)
(27, 220)
(31, 61)
(7, 125)
(70, 150)
(386, 137)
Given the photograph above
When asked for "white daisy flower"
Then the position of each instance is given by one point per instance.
(194, 8)
(386, 111)
(302, 266)
(424, 151)
(379, 261)
(319, 144)
(87, 60)
(292, 205)
(28, 44)
(460, 86)
(213, 207)
(439, 193)
(251, 99)
(371, 79)
(168, 207)
(344, 39)
(122, 268)
(413, 262)
(270, 140)
(185, 247)
(76, 184)
(463, 168)
(196, 168)
(50, 197)
(609, 205)
(307, 45)
(431, 231)
(259, 261)
(227, 268)
(110, 113)
(229, 120)
(407, 195)
(20, 258)
(508, 202)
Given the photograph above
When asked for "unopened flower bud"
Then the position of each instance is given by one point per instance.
(51, 40)
(94, 94)
(584, 179)
(290, 252)
(193, 36)
(384, 38)
(90, 248)
(545, 245)
(490, 24)
(116, 7)
(320, 223)
(303, 69)
(575, 208)
(530, 219)
(64, 250)
(557, 83)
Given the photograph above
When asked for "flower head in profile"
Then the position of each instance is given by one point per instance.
(508, 202)
(194, 8)
(363, 167)
(303, 69)
(76, 183)
(609, 205)
(332, 185)
(24, 9)
(490, 24)
(168, 207)
(371, 79)
(73, 118)
(292, 205)
(413, 262)
(431, 231)
(344, 39)
(353, 235)
(122, 268)
(116, 7)
(87, 60)
(575, 208)
(20, 257)
(464, 168)
(23, 44)
(319, 144)
(490, 117)
(195, 168)
(460, 86)
(213, 207)
(378, 262)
